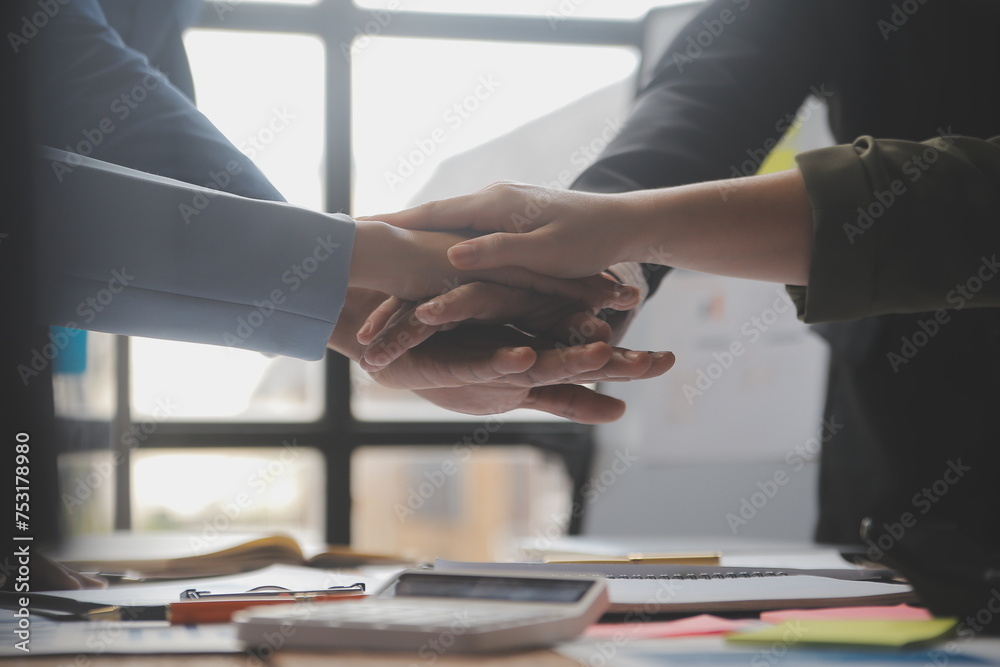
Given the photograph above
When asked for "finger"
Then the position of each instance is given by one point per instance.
(592, 291)
(662, 362)
(583, 364)
(433, 367)
(576, 403)
(563, 364)
(402, 333)
(537, 314)
(379, 318)
(494, 251)
(626, 366)
(484, 302)
(580, 327)
(465, 211)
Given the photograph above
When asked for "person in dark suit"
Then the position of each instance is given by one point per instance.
(914, 390)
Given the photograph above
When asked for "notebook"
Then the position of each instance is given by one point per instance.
(156, 555)
(654, 589)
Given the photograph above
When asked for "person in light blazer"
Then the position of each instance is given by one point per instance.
(142, 199)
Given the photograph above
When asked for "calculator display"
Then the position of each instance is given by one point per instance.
(511, 589)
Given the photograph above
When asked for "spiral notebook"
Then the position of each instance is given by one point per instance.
(682, 589)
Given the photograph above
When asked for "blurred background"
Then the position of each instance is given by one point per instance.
(374, 106)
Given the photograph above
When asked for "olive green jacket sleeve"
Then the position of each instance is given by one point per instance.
(902, 227)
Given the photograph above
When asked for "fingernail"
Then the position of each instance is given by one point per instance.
(632, 355)
(660, 355)
(463, 254)
(428, 313)
(363, 331)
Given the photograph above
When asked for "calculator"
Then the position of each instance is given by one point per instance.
(433, 613)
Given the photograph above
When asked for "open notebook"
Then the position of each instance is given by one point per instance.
(152, 555)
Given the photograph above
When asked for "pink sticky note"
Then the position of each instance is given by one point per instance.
(685, 627)
(901, 612)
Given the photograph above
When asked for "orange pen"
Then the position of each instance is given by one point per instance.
(215, 610)
(203, 607)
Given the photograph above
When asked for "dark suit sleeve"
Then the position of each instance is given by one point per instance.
(902, 227)
(95, 96)
(722, 95)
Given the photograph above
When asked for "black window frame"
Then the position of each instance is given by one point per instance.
(337, 433)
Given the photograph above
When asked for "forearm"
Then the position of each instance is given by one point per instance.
(116, 254)
(758, 227)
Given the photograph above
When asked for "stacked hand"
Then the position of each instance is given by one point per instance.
(486, 324)
(483, 368)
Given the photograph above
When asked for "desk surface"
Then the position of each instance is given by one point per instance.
(532, 659)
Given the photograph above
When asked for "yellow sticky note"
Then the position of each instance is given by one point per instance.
(869, 633)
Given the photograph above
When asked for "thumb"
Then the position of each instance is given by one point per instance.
(495, 251)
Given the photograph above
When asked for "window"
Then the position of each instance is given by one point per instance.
(364, 108)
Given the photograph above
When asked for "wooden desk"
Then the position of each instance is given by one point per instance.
(290, 659)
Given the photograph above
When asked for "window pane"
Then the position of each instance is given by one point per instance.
(554, 10)
(181, 381)
(456, 502)
(265, 92)
(83, 379)
(87, 491)
(437, 118)
(210, 491)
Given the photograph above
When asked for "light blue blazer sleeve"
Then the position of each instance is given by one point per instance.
(127, 252)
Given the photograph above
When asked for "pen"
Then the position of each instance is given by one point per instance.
(207, 608)
(693, 558)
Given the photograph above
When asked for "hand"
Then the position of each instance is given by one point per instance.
(554, 232)
(414, 265)
(485, 370)
(396, 326)
(761, 230)
(51, 575)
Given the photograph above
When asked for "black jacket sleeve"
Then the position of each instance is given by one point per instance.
(723, 93)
